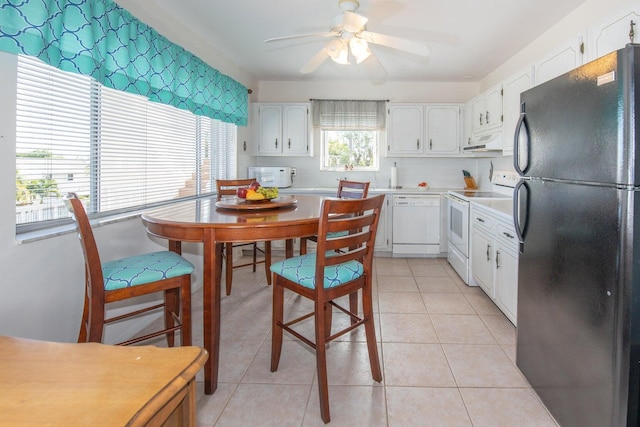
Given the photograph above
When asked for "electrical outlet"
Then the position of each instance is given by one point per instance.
(293, 171)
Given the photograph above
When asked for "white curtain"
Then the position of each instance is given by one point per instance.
(348, 114)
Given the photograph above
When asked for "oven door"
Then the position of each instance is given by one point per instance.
(458, 223)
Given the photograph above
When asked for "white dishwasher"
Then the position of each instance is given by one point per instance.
(416, 225)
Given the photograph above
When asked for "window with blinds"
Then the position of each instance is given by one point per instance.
(118, 151)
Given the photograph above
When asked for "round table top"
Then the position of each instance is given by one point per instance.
(188, 220)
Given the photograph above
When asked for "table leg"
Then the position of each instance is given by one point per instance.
(175, 246)
(288, 248)
(212, 254)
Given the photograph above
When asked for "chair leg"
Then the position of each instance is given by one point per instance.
(229, 266)
(82, 335)
(255, 255)
(185, 312)
(370, 332)
(321, 359)
(267, 261)
(353, 305)
(276, 331)
(171, 298)
(303, 246)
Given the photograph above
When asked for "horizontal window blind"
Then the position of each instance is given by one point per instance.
(117, 150)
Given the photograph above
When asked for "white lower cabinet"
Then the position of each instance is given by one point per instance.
(494, 258)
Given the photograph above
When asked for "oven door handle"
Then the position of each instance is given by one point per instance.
(455, 199)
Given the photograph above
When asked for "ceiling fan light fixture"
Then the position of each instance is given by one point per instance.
(359, 49)
(338, 51)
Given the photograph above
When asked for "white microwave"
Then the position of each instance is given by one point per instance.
(272, 176)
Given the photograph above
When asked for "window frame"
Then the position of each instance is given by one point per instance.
(221, 147)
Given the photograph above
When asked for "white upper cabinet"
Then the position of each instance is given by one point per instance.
(486, 110)
(512, 88)
(422, 130)
(443, 130)
(405, 130)
(614, 31)
(295, 129)
(467, 124)
(564, 58)
(283, 129)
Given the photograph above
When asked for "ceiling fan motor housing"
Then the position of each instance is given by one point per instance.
(349, 5)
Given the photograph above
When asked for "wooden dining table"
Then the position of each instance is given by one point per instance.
(204, 220)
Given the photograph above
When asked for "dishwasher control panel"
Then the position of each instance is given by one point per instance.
(416, 200)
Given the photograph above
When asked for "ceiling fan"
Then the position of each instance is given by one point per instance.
(349, 35)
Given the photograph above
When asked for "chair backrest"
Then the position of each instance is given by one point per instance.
(347, 232)
(93, 265)
(352, 189)
(228, 187)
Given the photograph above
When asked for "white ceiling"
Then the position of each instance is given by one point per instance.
(468, 38)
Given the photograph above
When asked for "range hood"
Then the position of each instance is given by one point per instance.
(488, 142)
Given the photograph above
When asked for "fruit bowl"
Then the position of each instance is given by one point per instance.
(423, 186)
(257, 194)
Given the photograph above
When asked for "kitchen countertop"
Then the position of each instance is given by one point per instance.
(334, 190)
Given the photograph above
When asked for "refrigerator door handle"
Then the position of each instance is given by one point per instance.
(520, 228)
(516, 143)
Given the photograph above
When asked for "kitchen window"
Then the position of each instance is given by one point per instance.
(349, 150)
(349, 131)
(122, 151)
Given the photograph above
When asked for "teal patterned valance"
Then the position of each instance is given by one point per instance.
(100, 39)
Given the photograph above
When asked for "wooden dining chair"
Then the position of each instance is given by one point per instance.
(348, 226)
(121, 279)
(228, 188)
(346, 190)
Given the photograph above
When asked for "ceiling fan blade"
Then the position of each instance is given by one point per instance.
(353, 23)
(410, 46)
(376, 71)
(297, 36)
(315, 62)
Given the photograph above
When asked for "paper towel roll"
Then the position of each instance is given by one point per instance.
(394, 176)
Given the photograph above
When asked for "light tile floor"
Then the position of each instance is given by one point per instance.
(447, 354)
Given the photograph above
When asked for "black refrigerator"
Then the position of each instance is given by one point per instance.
(575, 210)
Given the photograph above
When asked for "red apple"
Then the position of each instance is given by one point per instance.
(242, 192)
(254, 185)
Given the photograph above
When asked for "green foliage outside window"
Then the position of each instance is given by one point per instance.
(350, 149)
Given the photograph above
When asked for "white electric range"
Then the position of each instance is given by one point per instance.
(458, 217)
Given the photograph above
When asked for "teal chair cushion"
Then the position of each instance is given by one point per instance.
(142, 269)
(335, 234)
(302, 270)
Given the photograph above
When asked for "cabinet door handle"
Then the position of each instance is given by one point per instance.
(244, 146)
(488, 252)
(289, 142)
(487, 118)
(511, 236)
(430, 144)
(418, 143)
(497, 260)
(276, 142)
(479, 219)
(481, 117)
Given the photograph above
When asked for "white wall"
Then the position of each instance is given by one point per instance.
(42, 282)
